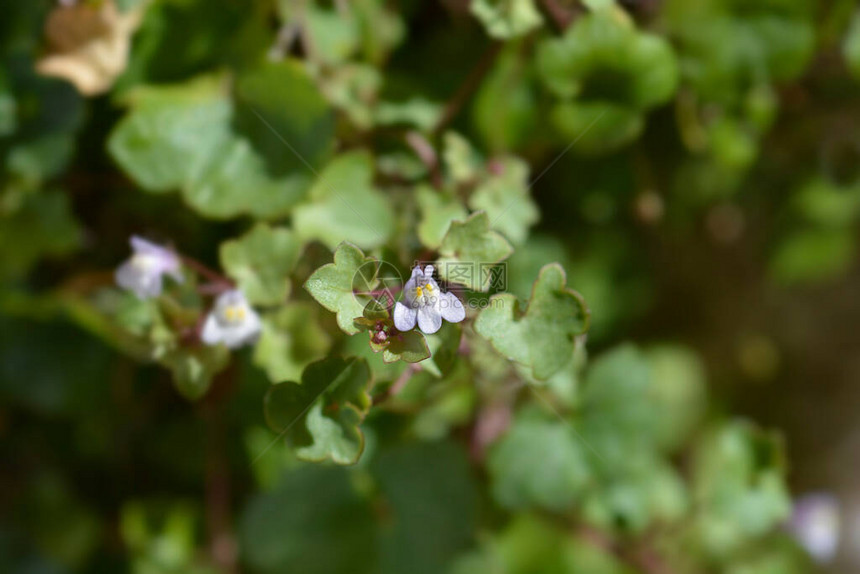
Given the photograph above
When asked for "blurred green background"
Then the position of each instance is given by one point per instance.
(693, 165)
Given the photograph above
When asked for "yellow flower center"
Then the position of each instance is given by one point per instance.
(234, 313)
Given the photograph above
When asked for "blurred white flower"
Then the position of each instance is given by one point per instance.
(232, 321)
(426, 304)
(815, 525)
(142, 273)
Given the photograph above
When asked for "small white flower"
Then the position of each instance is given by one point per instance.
(142, 273)
(426, 304)
(232, 321)
(815, 524)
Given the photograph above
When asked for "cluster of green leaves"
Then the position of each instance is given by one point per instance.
(313, 151)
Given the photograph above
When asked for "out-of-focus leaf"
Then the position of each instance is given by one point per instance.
(320, 416)
(194, 367)
(531, 544)
(291, 339)
(182, 137)
(432, 498)
(739, 487)
(678, 389)
(345, 206)
(261, 261)
(609, 74)
(313, 522)
(809, 255)
(504, 196)
(506, 106)
(418, 112)
(42, 227)
(438, 210)
(539, 463)
(472, 246)
(461, 160)
(285, 117)
(542, 335)
(504, 19)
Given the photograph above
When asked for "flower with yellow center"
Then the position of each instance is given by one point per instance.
(143, 272)
(425, 304)
(232, 321)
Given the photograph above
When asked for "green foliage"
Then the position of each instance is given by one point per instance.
(471, 242)
(606, 75)
(320, 415)
(261, 262)
(438, 211)
(542, 335)
(738, 487)
(344, 206)
(539, 463)
(334, 285)
(184, 137)
(579, 175)
(291, 339)
(505, 19)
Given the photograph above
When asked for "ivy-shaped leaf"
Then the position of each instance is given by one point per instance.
(344, 205)
(506, 19)
(504, 195)
(543, 336)
(334, 286)
(438, 210)
(261, 261)
(321, 415)
(471, 245)
(292, 337)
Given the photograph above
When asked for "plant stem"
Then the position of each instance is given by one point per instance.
(210, 274)
(425, 152)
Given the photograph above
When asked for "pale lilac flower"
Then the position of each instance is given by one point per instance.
(142, 273)
(815, 525)
(232, 321)
(425, 303)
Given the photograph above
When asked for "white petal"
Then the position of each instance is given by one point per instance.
(143, 284)
(428, 271)
(415, 271)
(141, 245)
(213, 332)
(429, 319)
(404, 317)
(451, 308)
